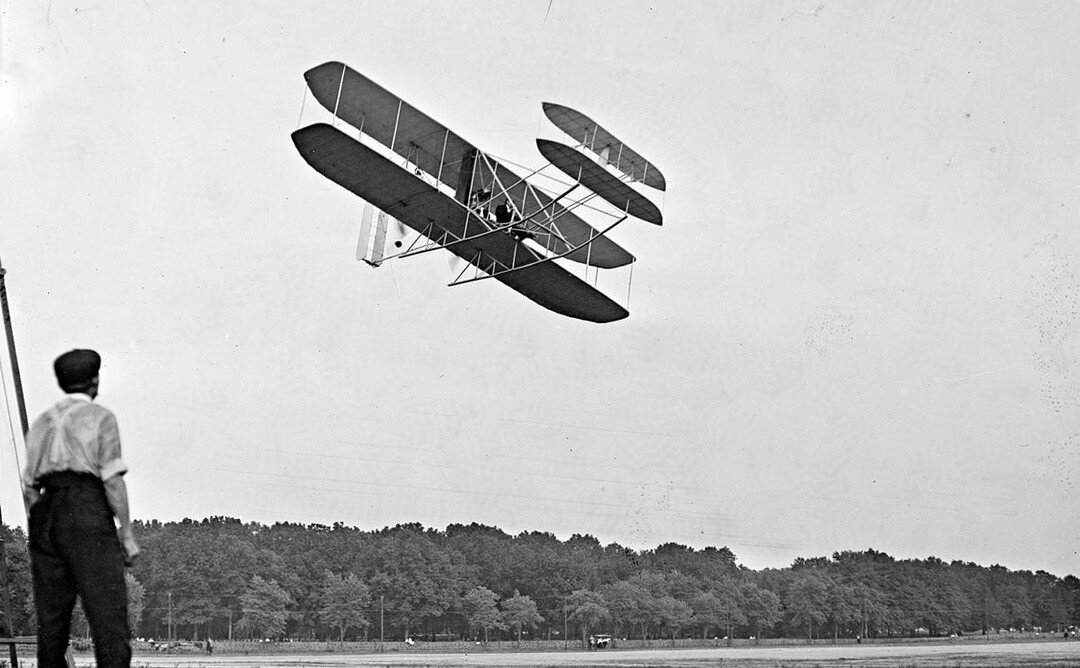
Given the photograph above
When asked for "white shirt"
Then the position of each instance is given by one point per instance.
(74, 435)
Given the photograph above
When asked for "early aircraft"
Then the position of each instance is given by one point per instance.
(461, 199)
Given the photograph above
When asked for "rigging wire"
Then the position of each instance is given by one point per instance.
(537, 172)
(11, 425)
(303, 101)
(560, 182)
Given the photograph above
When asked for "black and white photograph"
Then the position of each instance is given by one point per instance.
(539, 333)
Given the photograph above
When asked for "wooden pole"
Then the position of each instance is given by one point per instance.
(16, 377)
(17, 380)
(566, 638)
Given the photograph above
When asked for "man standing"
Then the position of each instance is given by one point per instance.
(74, 486)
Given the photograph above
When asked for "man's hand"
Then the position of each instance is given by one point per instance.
(131, 547)
(31, 496)
(116, 495)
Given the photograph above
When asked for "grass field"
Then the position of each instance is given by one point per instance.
(962, 654)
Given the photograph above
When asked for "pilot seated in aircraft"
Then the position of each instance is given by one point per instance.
(482, 199)
(504, 215)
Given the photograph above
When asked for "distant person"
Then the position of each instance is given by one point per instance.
(74, 487)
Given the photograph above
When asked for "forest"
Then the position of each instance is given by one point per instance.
(227, 579)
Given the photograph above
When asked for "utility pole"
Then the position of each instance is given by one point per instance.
(565, 638)
(170, 617)
(382, 629)
(16, 379)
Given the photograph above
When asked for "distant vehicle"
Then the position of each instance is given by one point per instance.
(174, 646)
(603, 641)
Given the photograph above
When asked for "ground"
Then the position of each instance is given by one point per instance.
(966, 655)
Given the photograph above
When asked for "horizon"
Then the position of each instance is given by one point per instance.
(603, 543)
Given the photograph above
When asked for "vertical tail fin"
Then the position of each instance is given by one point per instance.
(364, 242)
(379, 248)
(372, 245)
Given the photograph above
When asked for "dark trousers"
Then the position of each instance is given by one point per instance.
(74, 549)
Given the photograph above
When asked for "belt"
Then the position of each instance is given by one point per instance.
(65, 479)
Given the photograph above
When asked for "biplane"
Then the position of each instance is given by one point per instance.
(457, 198)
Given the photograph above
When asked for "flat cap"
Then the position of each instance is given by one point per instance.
(76, 367)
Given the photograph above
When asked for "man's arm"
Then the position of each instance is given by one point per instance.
(112, 471)
(116, 493)
(31, 495)
(33, 439)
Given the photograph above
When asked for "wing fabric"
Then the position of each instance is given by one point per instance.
(578, 166)
(388, 119)
(436, 150)
(409, 199)
(601, 142)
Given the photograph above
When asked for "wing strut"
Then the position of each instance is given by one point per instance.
(337, 101)
(409, 252)
(511, 270)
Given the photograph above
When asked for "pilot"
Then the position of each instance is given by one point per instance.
(503, 214)
(483, 197)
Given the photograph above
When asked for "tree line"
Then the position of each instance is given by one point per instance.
(223, 578)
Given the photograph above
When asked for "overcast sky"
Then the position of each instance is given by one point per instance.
(857, 327)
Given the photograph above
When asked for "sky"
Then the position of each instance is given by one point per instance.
(857, 327)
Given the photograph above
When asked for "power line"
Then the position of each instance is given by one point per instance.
(488, 469)
(445, 490)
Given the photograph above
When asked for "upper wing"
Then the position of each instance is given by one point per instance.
(390, 120)
(578, 166)
(440, 152)
(402, 195)
(598, 140)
